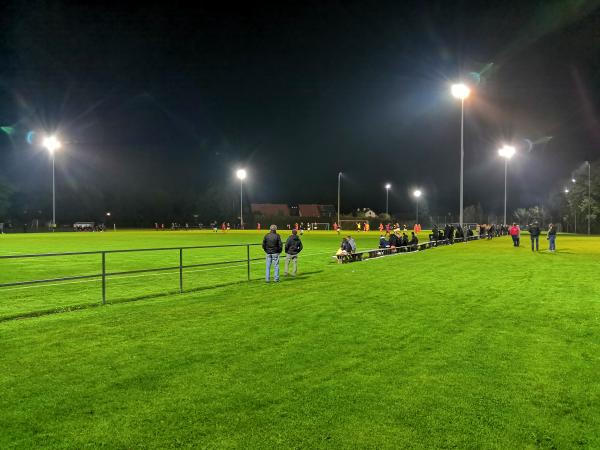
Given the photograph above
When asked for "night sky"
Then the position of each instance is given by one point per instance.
(160, 103)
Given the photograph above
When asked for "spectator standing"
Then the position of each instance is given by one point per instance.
(272, 246)
(534, 233)
(551, 238)
(293, 246)
(515, 234)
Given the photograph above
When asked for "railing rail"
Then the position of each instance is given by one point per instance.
(104, 274)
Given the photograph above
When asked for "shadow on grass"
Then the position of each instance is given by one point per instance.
(155, 295)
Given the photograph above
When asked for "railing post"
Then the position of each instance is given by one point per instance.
(180, 270)
(248, 257)
(104, 278)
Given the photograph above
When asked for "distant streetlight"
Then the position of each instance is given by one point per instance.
(241, 174)
(566, 191)
(417, 194)
(506, 152)
(51, 143)
(338, 202)
(108, 216)
(387, 196)
(589, 194)
(589, 214)
(461, 92)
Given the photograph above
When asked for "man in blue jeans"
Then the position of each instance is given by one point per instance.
(272, 246)
(551, 236)
(534, 234)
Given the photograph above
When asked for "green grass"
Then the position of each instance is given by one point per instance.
(469, 346)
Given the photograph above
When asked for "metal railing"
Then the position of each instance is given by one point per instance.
(103, 275)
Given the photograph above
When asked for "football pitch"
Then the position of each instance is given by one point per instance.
(478, 345)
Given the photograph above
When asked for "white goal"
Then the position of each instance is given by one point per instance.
(352, 225)
(319, 226)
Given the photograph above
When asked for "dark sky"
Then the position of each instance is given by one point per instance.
(174, 98)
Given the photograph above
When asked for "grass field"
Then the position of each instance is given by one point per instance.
(477, 345)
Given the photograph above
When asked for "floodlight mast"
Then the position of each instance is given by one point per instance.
(461, 91)
(51, 143)
(388, 186)
(241, 174)
(338, 199)
(417, 194)
(506, 152)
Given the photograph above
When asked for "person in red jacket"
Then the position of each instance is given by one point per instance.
(515, 234)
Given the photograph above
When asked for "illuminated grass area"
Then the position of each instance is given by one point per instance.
(468, 346)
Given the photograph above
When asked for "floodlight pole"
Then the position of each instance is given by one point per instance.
(338, 199)
(52, 144)
(505, 187)
(417, 210)
(462, 155)
(241, 174)
(241, 204)
(53, 196)
(387, 198)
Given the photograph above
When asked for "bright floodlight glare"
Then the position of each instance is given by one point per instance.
(108, 214)
(388, 186)
(460, 91)
(573, 180)
(241, 174)
(51, 143)
(417, 193)
(508, 151)
(566, 191)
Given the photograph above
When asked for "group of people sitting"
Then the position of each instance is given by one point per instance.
(396, 240)
(450, 233)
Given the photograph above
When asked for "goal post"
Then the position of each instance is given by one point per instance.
(320, 226)
(352, 224)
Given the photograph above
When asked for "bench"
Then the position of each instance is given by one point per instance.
(380, 252)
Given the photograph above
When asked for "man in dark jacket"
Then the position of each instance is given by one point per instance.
(414, 242)
(393, 242)
(272, 246)
(293, 246)
(534, 233)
